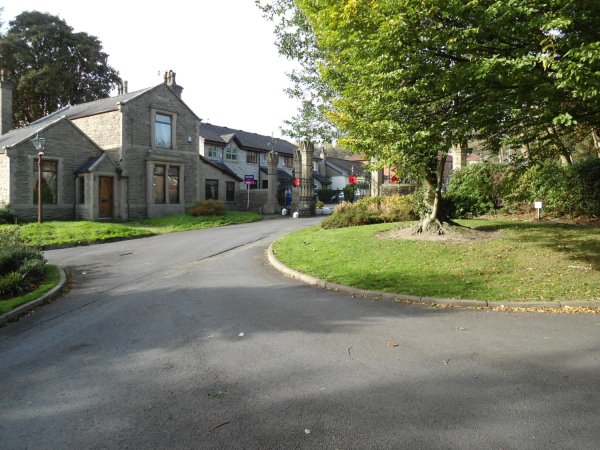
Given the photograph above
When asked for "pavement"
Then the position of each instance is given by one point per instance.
(193, 340)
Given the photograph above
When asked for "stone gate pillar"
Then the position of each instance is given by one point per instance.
(376, 181)
(459, 155)
(272, 207)
(307, 182)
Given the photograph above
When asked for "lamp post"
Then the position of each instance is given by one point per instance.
(39, 144)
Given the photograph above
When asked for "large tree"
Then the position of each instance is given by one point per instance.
(405, 80)
(52, 66)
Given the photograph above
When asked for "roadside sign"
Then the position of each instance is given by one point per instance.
(297, 182)
(248, 179)
(352, 180)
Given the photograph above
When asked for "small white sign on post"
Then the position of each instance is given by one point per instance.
(538, 206)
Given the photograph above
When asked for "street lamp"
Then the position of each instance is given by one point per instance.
(39, 144)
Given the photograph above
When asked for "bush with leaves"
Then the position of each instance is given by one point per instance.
(324, 194)
(7, 215)
(20, 267)
(476, 190)
(572, 190)
(207, 208)
(370, 210)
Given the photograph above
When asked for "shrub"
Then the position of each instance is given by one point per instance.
(33, 270)
(371, 210)
(349, 192)
(572, 190)
(208, 208)
(12, 283)
(19, 265)
(476, 190)
(7, 215)
(324, 195)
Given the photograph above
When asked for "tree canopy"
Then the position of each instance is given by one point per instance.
(52, 66)
(404, 80)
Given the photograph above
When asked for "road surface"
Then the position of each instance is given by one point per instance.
(193, 341)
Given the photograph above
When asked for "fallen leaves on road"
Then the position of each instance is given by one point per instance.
(211, 336)
(307, 431)
(241, 334)
(220, 425)
(446, 362)
(391, 344)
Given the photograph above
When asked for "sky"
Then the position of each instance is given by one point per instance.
(222, 51)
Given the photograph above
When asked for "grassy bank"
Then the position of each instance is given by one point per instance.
(52, 279)
(82, 233)
(528, 262)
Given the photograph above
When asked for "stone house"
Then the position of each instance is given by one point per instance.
(76, 173)
(243, 153)
(131, 156)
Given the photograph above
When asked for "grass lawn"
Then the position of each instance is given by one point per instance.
(52, 279)
(529, 262)
(81, 232)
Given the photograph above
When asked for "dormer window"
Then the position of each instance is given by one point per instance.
(162, 131)
(213, 152)
(231, 154)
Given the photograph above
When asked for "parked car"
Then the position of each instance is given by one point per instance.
(338, 198)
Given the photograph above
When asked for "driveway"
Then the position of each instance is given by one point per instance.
(191, 340)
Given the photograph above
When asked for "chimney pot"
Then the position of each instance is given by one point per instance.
(6, 102)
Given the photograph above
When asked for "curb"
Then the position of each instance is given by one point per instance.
(24, 309)
(422, 300)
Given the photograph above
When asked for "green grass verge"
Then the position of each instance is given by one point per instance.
(52, 279)
(529, 262)
(82, 232)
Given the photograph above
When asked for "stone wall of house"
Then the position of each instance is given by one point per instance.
(4, 187)
(140, 153)
(208, 172)
(103, 129)
(66, 145)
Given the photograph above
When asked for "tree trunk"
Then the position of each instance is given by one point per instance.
(432, 219)
(596, 139)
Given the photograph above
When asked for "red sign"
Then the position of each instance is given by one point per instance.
(297, 182)
(352, 179)
(395, 179)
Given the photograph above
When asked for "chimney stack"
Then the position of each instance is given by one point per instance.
(322, 167)
(6, 102)
(125, 87)
(170, 81)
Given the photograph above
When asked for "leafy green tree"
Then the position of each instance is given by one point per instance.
(52, 66)
(405, 80)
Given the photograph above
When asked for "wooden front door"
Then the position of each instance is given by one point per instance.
(105, 200)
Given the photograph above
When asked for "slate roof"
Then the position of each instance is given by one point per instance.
(321, 178)
(100, 106)
(95, 107)
(14, 137)
(281, 174)
(221, 166)
(86, 166)
(249, 141)
(347, 166)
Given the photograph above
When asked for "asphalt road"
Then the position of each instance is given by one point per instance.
(146, 353)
